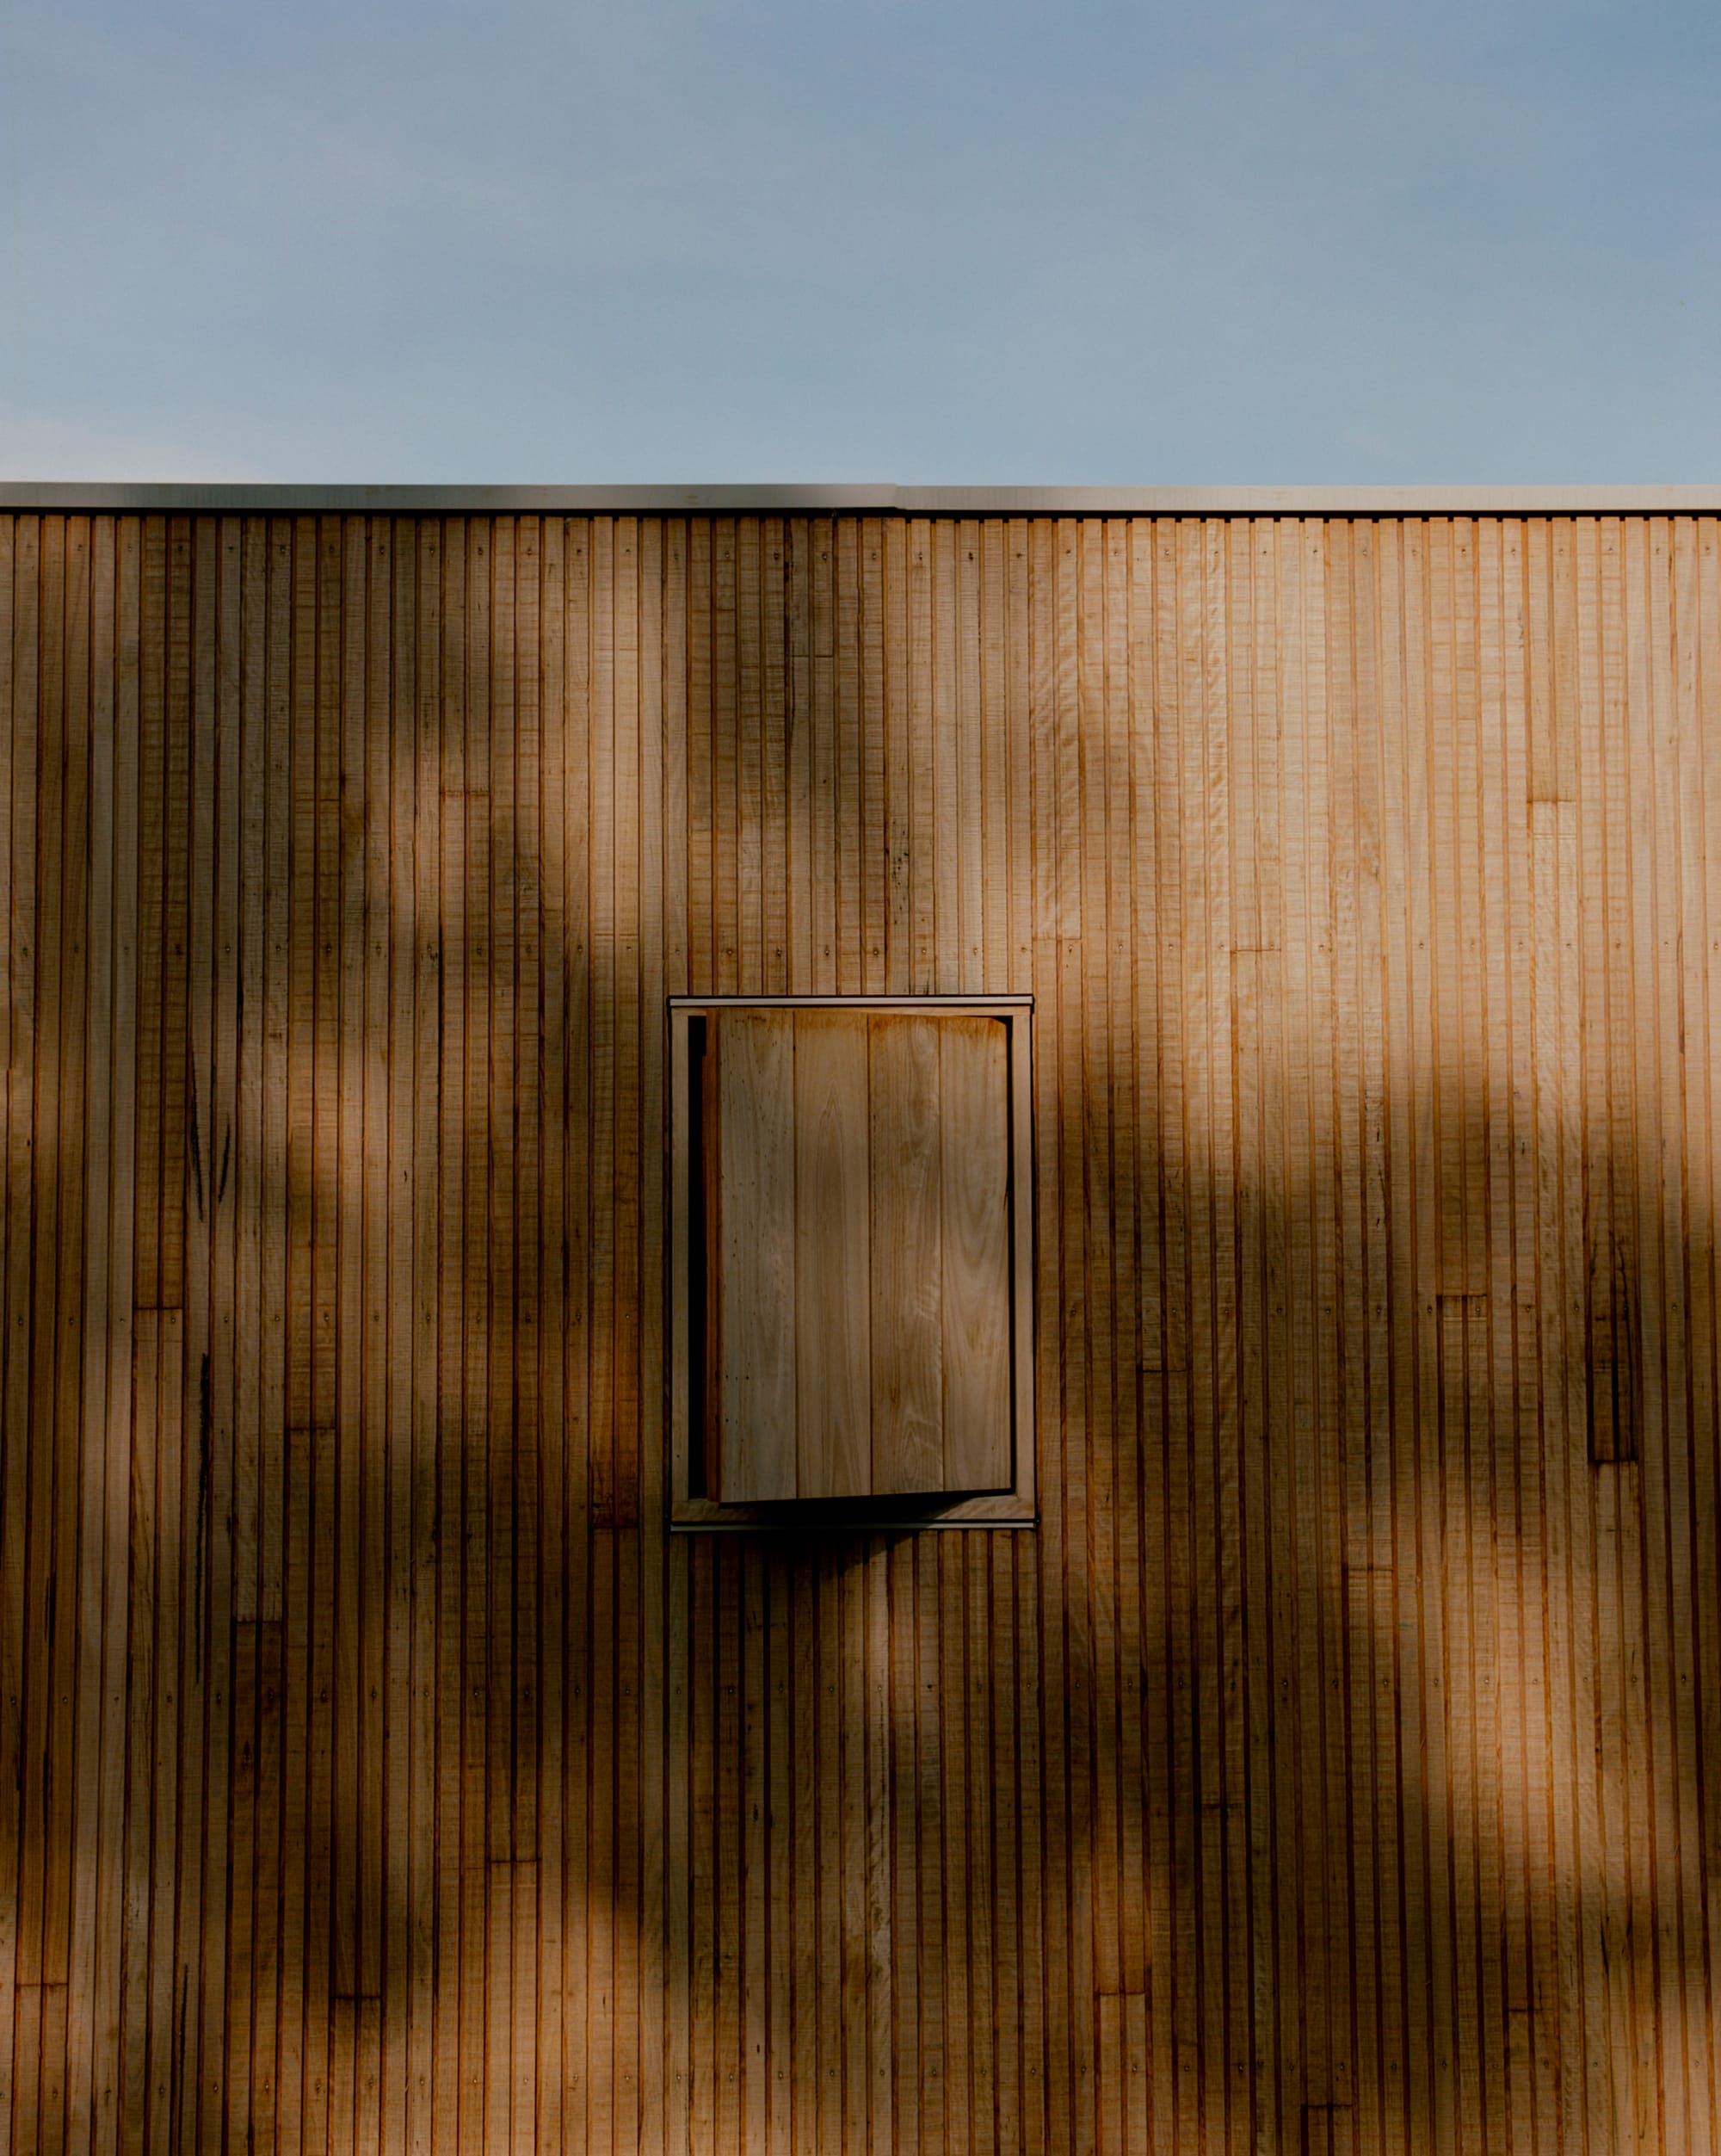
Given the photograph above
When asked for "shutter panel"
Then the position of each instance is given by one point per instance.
(755, 1241)
(908, 1358)
(833, 1307)
(974, 1149)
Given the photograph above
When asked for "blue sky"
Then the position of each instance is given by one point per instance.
(929, 241)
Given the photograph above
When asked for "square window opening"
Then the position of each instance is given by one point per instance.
(851, 1262)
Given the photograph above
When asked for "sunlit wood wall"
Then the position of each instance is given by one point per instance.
(1337, 1767)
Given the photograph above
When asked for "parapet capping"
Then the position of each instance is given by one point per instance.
(255, 497)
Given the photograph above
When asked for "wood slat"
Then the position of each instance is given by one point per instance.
(974, 1315)
(907, 1272)
(755, 1238)
(832, 1257)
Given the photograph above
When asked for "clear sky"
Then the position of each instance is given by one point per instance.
(927, 241)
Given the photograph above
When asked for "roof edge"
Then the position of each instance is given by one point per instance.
(87, 496)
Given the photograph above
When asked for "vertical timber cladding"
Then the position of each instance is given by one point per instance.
(1334, 1767)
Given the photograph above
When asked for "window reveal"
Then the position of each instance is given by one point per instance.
(853, 1254)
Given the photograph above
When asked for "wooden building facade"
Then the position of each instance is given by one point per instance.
(1334, 1765)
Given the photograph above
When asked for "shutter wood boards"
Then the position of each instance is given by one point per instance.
(834, 1327)
(908, 1359)
(756, 1259)
(857, 1256)
(974, 1175)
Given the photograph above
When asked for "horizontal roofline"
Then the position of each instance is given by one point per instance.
(884, 500)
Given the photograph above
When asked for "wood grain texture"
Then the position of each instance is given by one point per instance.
(755, 1137)
(974, 1319)
(1333, 1767)
(833, 1307)
(907, 1274)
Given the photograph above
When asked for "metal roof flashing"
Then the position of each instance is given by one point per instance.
(254, 496)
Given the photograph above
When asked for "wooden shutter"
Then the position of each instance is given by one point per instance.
(859, 1305)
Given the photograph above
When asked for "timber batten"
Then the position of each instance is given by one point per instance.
(1334, 1766)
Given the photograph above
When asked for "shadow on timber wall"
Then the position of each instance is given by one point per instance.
(1338, 1765)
